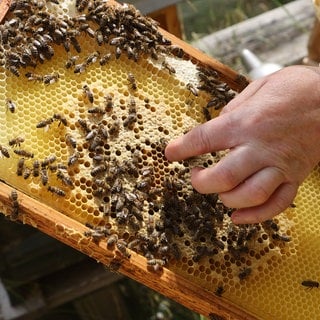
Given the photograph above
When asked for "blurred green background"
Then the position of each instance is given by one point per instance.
(202, 17)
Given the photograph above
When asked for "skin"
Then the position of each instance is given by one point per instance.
(272, 131)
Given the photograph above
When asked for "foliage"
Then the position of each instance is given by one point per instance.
(201, 17)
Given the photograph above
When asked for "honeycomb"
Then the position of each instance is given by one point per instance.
(84, 125)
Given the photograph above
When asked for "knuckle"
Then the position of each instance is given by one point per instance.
(258, 194)
(258, 218)
(286, 195)
(281, 203)
(200, 140)
(226, 178)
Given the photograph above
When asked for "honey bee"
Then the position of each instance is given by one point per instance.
(134, 244)
(97, 110)
(59, 117)
(133, 223)
(144, 184)
(177, 51)
(84, 125)
(49, 160)
(117, 186)
(73, 159)
(26, 173)
(281, 237)
(156, 263)
(89, 31)
(150, 224)
(99, 169)
(95, 143)
(310, 284)
(118, 52)
(14, 70)
(44, 124)
(4, 152)
(11, 106)
(105, 59)
(14, 196)
(81, 5)
(236, 252)
(132, 81)
(115, 265)
(80, 68)
(88, 93)
(130, 120)
(16, 141)
(75, 44)
(206, 114)
(91, 134)
(66, 180)
(96, 234)
(70, 140)
(44, 176)
(132, 105)
(51, 78)
(71, 62)
(213, 103)
(122, 247)
(92, 58)
(218, 243)
(114, 128)
(34, 77)
(241, 236)
(103, 132)
(112, 240)
(251, 232)
(59, 192)
(23, 153)
(167, 66)
(20, 167)
(270, 225)
(244, 273)
(59, 166)
(15, 205)
(193, 89)
(99, 38)
(36, 168)
(121, 216)
(154, 54)
(117, 41)
(219, 291)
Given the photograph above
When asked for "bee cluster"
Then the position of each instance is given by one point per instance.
(157, 214)
(141, 201)
(29, 35)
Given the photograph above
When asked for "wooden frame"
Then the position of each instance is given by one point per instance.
(4, 7)
(168, 19)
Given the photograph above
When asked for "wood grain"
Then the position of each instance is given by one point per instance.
(4, 7)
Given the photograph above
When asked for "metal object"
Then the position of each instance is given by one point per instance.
(257, 68)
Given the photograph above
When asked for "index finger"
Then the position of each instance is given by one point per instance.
(214, 135)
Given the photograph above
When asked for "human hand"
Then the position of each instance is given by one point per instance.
(272, 131)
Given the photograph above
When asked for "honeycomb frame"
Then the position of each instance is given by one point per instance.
(195, 284)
